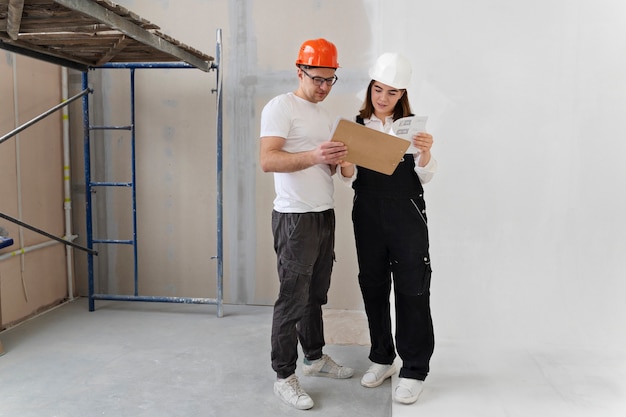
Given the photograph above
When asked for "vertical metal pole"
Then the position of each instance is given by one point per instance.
(134, 188)
(87, 159)
(220, 240)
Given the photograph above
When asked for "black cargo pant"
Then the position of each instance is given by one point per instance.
(392, 241)
(304, 245)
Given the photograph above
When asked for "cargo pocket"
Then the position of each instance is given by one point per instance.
(413, 279)
(295, 278)
(426, 277)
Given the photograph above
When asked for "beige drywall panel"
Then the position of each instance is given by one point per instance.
(8, 204)
(41, 157)
(35, 288)
(175, 157)
(176, 177)
(31, 189)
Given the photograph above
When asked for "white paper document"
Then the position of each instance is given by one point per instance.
(407, 127)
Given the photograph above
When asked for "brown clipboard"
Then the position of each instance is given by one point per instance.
(369, 148)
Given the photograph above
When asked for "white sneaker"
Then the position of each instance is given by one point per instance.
(408, 390)
(327, 367)
(376, 374)
(290, 391)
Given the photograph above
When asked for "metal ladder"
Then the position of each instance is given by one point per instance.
(92, 185)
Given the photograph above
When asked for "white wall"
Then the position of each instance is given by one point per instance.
(526, 214)
(525, 103)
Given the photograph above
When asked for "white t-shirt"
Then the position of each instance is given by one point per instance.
(304, 125)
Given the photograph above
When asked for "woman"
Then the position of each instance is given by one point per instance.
(390, 229)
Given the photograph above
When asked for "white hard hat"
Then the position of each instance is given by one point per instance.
(392, 69)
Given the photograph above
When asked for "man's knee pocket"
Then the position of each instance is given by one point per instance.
(295, 277)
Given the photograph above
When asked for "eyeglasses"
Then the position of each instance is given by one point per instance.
(318, 81)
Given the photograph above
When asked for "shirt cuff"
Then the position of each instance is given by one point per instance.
(346, 180)
(427, 172)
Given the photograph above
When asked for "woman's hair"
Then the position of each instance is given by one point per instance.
(402, 109)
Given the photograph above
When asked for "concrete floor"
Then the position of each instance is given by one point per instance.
(154, 359)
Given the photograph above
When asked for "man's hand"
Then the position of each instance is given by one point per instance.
(330, 153)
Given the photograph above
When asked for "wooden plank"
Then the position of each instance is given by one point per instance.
(105, 15)
(14, 18)
(69, 63)
(30, 2)
(46, 51)
(119, 45)
(77, 29)
(109, 33)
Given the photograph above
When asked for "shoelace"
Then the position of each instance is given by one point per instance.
(295, 384)
(329, 365)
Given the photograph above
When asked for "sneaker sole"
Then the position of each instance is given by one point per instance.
(328, 375)
(378, 382)
(408, 400)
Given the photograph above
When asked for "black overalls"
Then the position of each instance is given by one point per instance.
(390, 228)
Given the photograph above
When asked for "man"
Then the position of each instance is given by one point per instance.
(295, 146)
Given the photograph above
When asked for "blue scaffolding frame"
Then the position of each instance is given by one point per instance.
(90, 185)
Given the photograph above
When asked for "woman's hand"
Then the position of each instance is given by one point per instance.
(423, 141)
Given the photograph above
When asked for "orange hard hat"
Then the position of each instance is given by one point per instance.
(318, 53)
